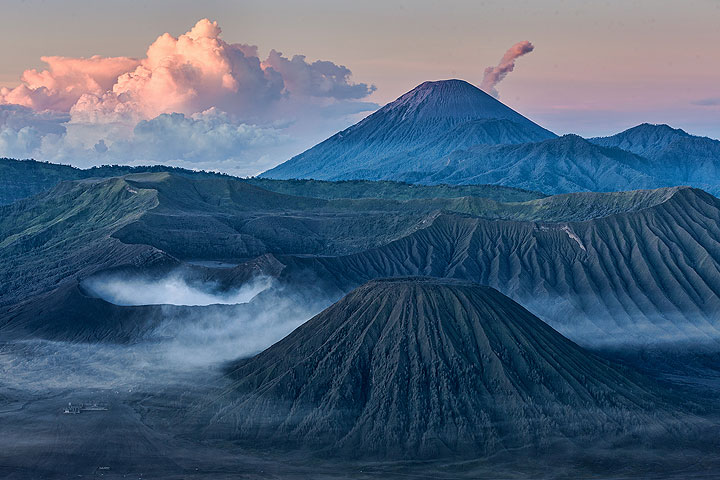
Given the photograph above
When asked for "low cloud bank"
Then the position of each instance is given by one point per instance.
(207, 338)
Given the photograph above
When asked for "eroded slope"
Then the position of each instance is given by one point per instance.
(418, 367)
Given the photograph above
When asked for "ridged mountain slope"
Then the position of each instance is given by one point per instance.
(640, 276)
(432, 120)
(21, 179)
(562, 165)
(48, 243)
(420, 367)
(674, 154)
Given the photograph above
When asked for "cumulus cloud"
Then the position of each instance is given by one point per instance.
(191, 98)
(15, 117)
(210, 139)
(65, 81)
(317, 79)
(494, 75)
(23, 131)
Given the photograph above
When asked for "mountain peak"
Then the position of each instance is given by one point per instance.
(655, 129)
(643, 134)
(452, 83)
(650, 141)
(452, 86)
(417, 124)
(572, 138)
(450, 99)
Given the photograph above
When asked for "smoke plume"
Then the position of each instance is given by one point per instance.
(494, 75)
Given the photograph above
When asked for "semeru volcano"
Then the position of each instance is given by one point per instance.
(423, 125)
(423, 367)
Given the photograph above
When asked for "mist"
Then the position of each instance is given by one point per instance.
(592, 326)
(203, 324)
(203, 337)
(201, 327)
(173, 289)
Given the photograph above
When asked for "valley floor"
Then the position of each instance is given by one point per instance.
(142, 435)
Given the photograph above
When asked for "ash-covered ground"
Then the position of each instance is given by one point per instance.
(146, 432)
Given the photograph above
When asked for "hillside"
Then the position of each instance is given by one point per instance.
(642, 276)
(603, 268)
(21, 179)
(66, 231)
(562, 165)
(422, 367)
(391, 190)
(50, 242)
(674, 154)
(24, 178)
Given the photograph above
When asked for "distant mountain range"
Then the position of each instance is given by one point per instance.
(675, 155)
(452, 132)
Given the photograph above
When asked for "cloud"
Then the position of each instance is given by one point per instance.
(15, 117)
(209, 140)
(173, 289)
(494, 75)
(65, 81)
(186, 74)
(317, 79)
(193, 98)
(190, 74)
(23, 131)
(235, 323)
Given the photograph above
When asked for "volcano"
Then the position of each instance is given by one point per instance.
(427, 123)
(424, 366)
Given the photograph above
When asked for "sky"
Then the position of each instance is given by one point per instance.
(260, 81)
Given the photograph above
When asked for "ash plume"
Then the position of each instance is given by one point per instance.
(494, 75)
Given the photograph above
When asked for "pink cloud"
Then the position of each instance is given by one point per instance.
(194, 99)
(186, 74)
(317, 79)
(65, 81)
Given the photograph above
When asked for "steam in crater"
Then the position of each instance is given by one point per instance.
(173, 289)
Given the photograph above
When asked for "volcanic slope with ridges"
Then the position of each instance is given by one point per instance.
(421, 367)
(636, 276)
